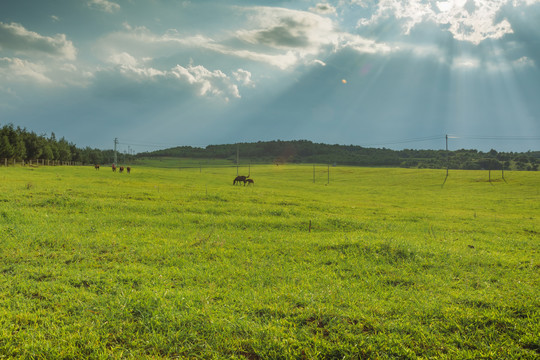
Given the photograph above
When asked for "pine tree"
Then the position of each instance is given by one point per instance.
(6, 150)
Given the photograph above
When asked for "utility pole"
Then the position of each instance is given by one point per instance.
(115, 155)
(447, 158)
(447, 162)
(328, 174)
(237, 157)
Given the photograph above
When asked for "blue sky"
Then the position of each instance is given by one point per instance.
(163, 73)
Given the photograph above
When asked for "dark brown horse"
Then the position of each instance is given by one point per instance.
(250, 182)
(121, 169)
(113, 168)
(128, 169)
(240, 178)
(96, 167)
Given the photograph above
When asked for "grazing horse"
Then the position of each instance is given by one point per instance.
(239, 179)
(96, 167)
(250, 182)
(113, 168)
(121, 169)
(128, 169)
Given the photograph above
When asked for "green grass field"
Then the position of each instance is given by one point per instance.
(169, 263)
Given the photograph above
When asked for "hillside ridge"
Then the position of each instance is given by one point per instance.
(305, 151)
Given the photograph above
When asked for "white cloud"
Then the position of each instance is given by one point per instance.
(362, 45)
(279, 37)
(129, 66)
(123, 59)
(144, 43)
(243, 77)
(49, 74)
(465, 63)
(300, 36)
(282, 61)
(207, 82)
(201, 81)
(281, 28)
(525, 2)
(524, 61)
(104, 5)
(16, 38)
(15, 69)
(466, 20)
(24, 59)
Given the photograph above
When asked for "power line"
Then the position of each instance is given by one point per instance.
(510, 137)
(161, 145)
(147, 144)
(408, 140)
(454, 136)
(382, 143)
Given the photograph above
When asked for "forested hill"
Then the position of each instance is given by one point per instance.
(20, 144)
(303, 151)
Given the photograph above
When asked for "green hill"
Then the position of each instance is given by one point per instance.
(303, 151)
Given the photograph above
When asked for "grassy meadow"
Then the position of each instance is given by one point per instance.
(179, 263)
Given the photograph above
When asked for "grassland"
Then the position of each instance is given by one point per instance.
(182, 163)
(168, 263)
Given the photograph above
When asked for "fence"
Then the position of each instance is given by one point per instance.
(39, 162)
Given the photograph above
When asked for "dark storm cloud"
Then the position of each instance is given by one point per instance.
(289, 33)
(286, 29)
(324, 8)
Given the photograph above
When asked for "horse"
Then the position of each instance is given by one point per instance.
(121, 169)
(128, 169)
(240, 178)
(250, 182)
(113, 168)
(96, 167)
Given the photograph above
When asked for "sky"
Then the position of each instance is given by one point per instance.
(162, 73)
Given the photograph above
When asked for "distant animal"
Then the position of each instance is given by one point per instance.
(121, 169)
(128, 169)
(240, 178)
(113, 168)
(96, 167)
(250, 182)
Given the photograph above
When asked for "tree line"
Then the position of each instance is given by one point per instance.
(24, 145)
(304, 151)
(21, 144)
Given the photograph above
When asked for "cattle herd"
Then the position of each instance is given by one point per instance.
(237, 180)
(114, 167)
